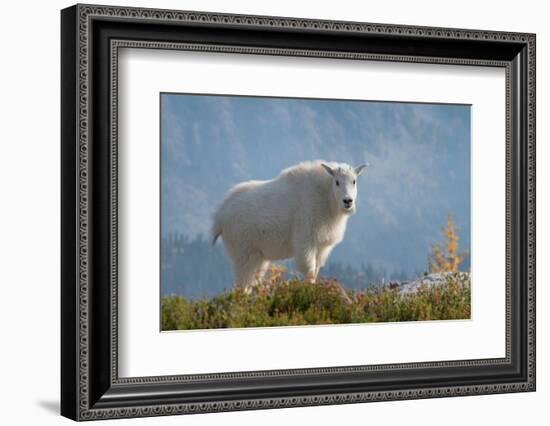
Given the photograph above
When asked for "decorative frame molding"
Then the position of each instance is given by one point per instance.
(91, 388)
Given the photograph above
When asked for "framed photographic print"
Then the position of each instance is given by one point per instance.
(263, 212)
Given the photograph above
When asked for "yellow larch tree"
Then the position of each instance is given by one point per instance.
(446, 257)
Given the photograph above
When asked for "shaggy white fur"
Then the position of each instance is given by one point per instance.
(301, 214)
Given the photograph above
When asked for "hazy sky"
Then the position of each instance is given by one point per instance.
(419, 156)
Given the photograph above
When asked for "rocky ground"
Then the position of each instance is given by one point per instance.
(429, 280)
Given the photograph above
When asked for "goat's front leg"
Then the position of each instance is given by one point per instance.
(322, 255)
(306, 264)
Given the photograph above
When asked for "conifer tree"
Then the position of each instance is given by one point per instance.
(446, 257)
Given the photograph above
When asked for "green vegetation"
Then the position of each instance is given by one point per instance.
(280, 302)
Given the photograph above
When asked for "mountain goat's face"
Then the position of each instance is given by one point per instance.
(344, 186)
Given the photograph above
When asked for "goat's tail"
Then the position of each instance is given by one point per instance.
(216, 230)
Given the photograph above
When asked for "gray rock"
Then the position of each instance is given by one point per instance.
(430, 280)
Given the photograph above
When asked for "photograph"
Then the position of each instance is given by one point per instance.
(305, 212)
(266, 209)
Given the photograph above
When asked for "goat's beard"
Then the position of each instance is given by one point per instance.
(348, 212)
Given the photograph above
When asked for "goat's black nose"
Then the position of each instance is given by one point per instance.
(348, 201)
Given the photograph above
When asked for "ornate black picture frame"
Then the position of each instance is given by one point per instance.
(90, 38)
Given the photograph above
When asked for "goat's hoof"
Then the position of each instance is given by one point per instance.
(310, 279)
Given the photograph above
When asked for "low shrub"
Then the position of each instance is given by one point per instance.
(293, 302)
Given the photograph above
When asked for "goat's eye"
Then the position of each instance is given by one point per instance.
(337, 183)
(354, 182)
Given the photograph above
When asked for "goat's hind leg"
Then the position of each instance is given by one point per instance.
(262, 269)
(246, 267)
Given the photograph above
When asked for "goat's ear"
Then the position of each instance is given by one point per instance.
(328, 169)
(360, 169)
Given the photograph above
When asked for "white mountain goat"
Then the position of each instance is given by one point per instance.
(301, 214)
